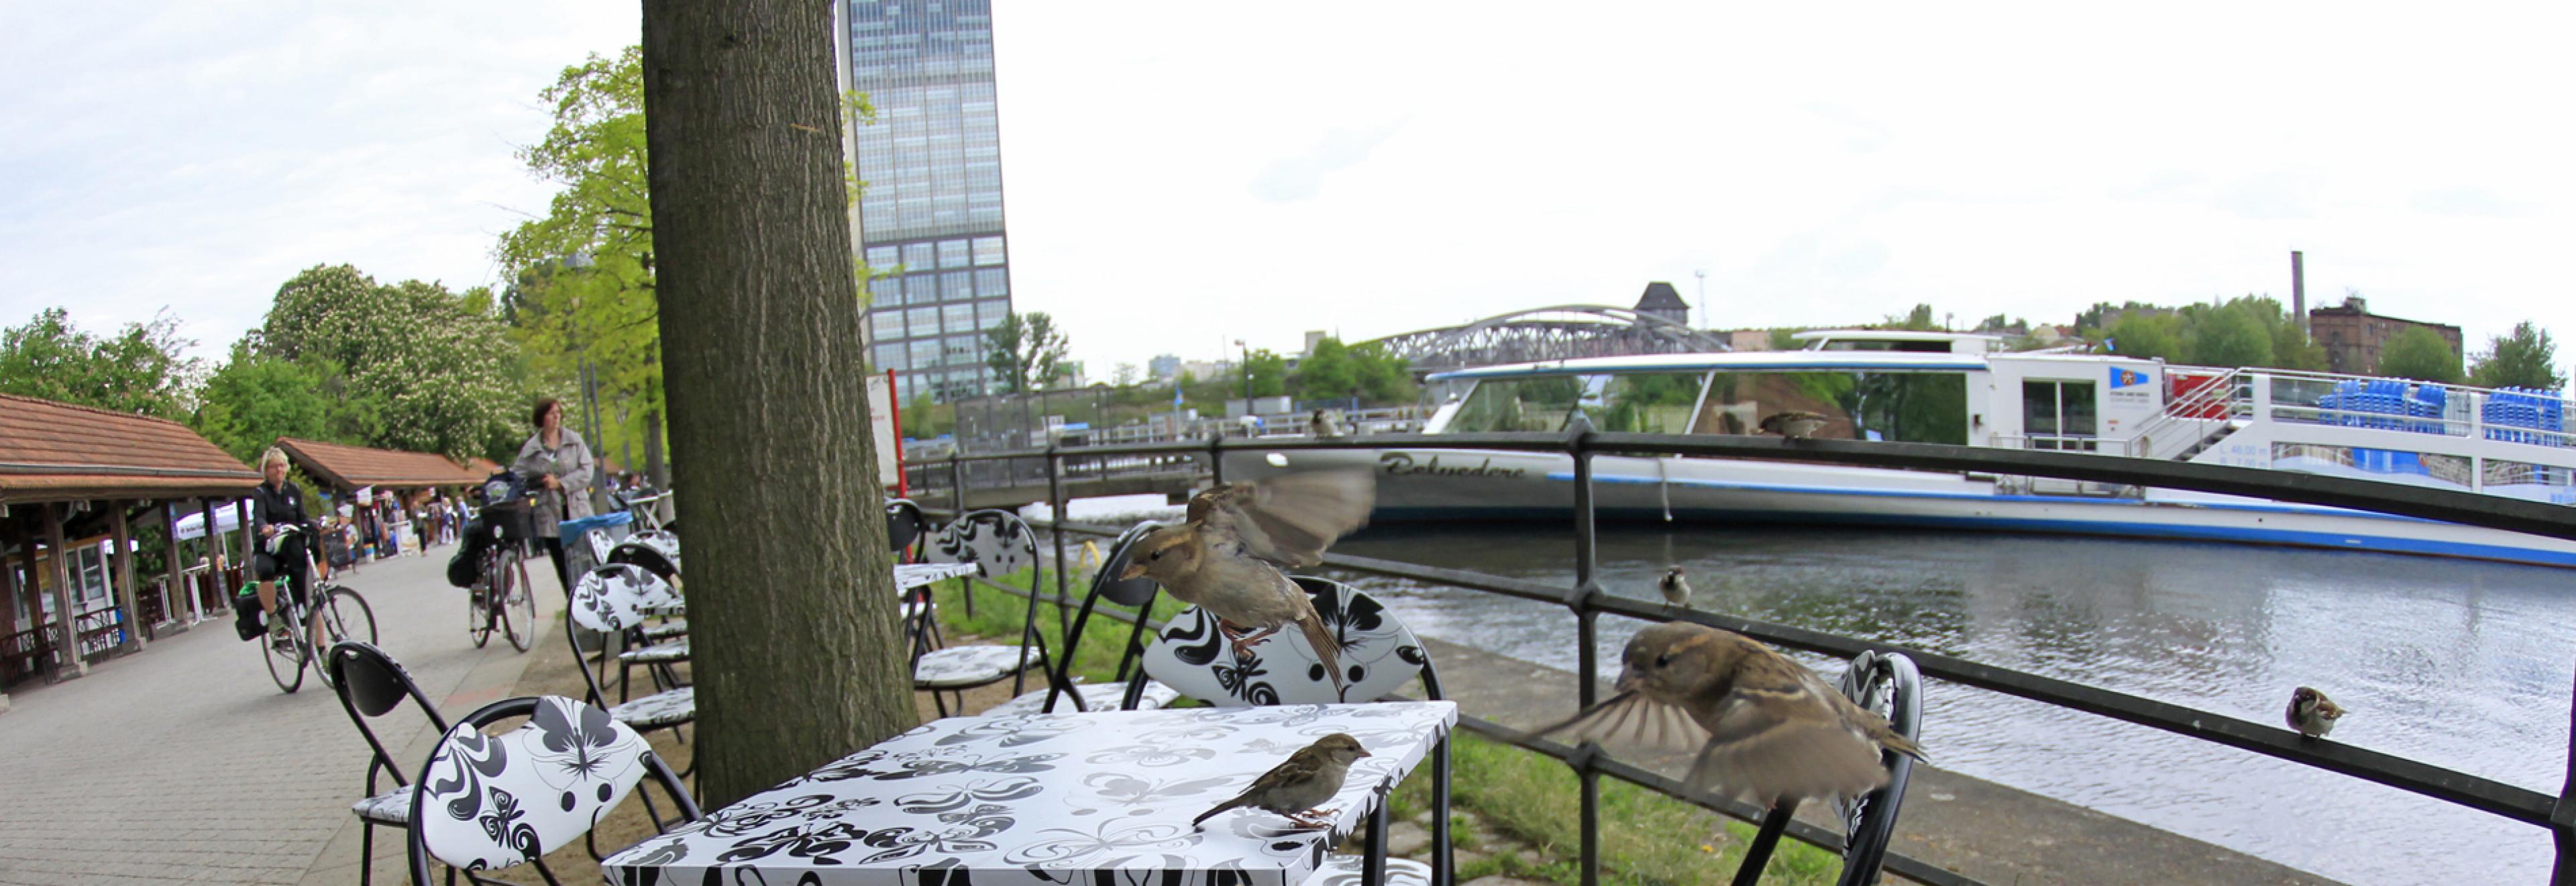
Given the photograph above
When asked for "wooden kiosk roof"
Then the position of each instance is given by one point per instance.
(52, 452)
(349, 468)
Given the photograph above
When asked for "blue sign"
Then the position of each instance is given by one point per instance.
(2125, 378)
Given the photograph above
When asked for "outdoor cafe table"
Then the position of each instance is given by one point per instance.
(1048, 798)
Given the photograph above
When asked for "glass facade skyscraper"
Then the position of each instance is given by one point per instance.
(933, 205)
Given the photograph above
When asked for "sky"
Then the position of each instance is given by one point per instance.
(1178, 177)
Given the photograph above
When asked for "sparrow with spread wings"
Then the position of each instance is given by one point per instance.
(1225, 557)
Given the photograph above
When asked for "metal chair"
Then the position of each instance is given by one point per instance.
(1887, 684)
(1136, 594)
(371, 684)
(905, 525)
(617, 600)
(1379, 655)
(497, 801)
(659, 552)
(1001, 544)
(670, 709)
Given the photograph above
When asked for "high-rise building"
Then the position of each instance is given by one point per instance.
(932, 210)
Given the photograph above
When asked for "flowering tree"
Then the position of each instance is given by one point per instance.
(415, 366)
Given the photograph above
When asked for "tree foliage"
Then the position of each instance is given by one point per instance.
(140, 370)
(2253, 330)
(2421, 354)
(1024, 352)
(2230, 336)
(2147, 336)
(416, 371)
(254, 399)
(2525, 358)
(1332, 371)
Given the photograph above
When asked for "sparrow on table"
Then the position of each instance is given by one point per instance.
(1793, 424)
(1676, 589)
(1221, 558)
(1295, 787)
(2312, 714)
(1767, 727)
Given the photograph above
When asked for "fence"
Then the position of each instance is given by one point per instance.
(1586, 602)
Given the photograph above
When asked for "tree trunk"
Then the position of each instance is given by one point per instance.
(792, 613)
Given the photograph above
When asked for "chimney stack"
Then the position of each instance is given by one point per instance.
(2299, 291)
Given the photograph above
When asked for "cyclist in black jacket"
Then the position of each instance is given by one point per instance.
(276, 503)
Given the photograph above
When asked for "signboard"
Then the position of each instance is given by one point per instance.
(888, 428)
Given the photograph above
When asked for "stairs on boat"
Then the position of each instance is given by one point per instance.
(2221, 433)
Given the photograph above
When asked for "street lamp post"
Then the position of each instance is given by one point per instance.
(1247, 376)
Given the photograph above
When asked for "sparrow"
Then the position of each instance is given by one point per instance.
(1676, 589)
(1323, 426)
(1304, 781)
(1768, 728)
(1793, 424)
(2312, 714)
(1221, 557)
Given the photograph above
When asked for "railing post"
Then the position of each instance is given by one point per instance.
(1216, 458)
(1588, 862)
(956, 484)
(1577, 434)
(2562, 817)
(1055, 500)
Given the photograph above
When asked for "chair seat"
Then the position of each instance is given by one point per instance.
(658, 710)
(963, 666)
(389, 808)
(1095, 697)
(676, 651)
(667, 630)
(1344, 870)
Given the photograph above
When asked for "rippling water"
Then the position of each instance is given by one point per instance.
(2461, 665)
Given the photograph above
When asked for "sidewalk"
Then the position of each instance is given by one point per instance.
(185, 762)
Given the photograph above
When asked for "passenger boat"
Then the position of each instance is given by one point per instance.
(1962, 389)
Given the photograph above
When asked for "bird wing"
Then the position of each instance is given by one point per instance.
(1633, 720)
(1289, 519)
(1775, 736)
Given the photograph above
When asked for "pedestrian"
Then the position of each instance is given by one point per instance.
(558, 466)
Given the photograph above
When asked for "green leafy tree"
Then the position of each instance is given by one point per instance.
(2525, 358)
(1784, 338)
(1327, 372)
(140, 370)
(1384, 379)
(435, 377)
(2146, 336)
(1919, 319)
(254, 399)
(1268, 373)
(1024, 350)
(2230, 336)
(2421, 354)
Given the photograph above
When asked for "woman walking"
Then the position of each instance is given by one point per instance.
(558, 466)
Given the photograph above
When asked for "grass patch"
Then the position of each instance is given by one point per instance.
(998, 616)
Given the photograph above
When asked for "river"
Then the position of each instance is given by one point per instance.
(2457, 664)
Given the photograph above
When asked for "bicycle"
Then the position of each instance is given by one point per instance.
(336, 613)
(501, 599)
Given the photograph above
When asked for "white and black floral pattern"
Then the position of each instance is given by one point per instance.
(658, 654)
(666, 630)
(389, 808)
(1095, 697)
(497, 801)
(969, 665)
(908, 576)
(1344, 870)
(996, 541)
(1379, 655)
(616, 597)
(1046, 799)
(659, 709)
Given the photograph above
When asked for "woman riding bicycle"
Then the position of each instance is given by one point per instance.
(277, 505)
(557, 464)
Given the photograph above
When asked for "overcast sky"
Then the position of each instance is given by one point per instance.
(1181, 175)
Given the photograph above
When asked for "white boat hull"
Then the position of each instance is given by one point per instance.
(1424, 484)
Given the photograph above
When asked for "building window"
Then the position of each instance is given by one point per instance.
(922, 322)
(952, 254)
(885, 291)
(956, 285)
(889, 324)
(921, 289)
(925, 352)
(884, 258)
(890, 356)
(991, 313)
(988, 250)
(992, 281)
(965, 350)
(918, 256)
(957, 319)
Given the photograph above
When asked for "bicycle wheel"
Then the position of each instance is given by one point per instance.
(519, 609)
(286, 663)
(478, 614)
(340, 615)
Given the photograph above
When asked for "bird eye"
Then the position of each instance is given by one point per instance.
(1664, 661)
(1154, 556)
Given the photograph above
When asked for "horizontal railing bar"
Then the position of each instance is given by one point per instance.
(2469, 509)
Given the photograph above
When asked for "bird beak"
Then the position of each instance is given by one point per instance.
(1364, 753)
(1132, 571)
(1628, 681)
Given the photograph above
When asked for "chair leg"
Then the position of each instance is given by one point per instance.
(1758, 855)
(1443, 864)
(366, 852)
(1373, 865)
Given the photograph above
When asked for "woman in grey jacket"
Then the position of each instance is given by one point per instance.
(558, 468)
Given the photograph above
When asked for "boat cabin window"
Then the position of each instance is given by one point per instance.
(2058, 415)
(1901, 407)
(1537, 403)
(1627, 403)
(1942, 346)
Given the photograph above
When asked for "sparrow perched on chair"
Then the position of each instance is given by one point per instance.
(2311, 713)
(1767, 727)
(1295, 787)
(1793, 424)
(1676, 589)
(1220, 559)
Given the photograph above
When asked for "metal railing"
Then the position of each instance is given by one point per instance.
(1587, 602)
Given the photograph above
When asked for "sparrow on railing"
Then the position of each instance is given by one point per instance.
(1676, 589)
(2311, 713)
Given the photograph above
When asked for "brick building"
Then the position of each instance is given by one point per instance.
(2353, 336)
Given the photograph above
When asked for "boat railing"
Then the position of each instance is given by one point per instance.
(1587, 602)
(2516, 415)
(2212, 401)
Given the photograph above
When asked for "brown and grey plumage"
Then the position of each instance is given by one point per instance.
(1676, 588)
(1794, 424)
(1296, 786)
(2311, 713)
(1220, 559)
(1765, 726)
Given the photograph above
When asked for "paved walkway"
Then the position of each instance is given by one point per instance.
(186, 763)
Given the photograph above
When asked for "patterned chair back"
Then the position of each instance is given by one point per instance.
(1378, 655)
(904, 524)
(654, 550)
(496, 801)
(619, 596)
(996, 540)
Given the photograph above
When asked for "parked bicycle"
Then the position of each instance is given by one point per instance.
(501, 598)
(334, 614)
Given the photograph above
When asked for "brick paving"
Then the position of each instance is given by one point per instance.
(184, 763)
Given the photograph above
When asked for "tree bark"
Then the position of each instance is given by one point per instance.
(792, 607)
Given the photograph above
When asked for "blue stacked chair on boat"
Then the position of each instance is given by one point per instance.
(2345, 401)
(2428, 403)
(2513, 407)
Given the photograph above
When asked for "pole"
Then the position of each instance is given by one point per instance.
(2299, 289)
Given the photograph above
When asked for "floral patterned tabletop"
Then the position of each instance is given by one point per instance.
(908, 576)
(1049, 799)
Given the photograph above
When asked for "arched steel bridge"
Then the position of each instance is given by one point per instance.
(1545, 334)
